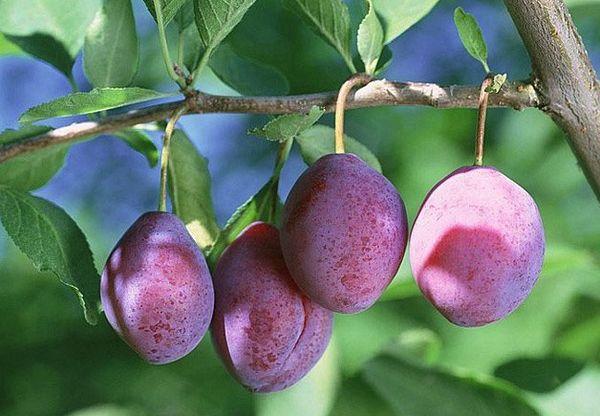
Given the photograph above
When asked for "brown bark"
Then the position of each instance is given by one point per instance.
(563, 76)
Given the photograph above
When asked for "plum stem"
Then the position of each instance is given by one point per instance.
(340, 106)
(282, 156)
(481, 117)
(164, 156)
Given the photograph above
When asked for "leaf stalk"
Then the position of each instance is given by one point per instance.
(164, 46)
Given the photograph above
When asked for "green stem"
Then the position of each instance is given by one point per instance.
(486, 67)
(164, 46)
(282, 155)
(180, 49)
(200, 66)
(164, 157)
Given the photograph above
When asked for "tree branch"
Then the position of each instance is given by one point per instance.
(377, 93)
(563, 76)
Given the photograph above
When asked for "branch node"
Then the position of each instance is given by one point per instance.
(192, 100)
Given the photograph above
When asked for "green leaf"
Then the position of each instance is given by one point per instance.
(36, 25)
(189, 188)
(185, 16)
(385, 59)
(53, 242)
(417, 345)
(384, 321)
(259, 207)
(110, 51)
(541, 375)
(579, 397)
(98, 99)
(471, 37)
(140, 142)
(370, 40)
(107, 410)
(288, 126)
(414, 390)
(357, 398)
(8, 48)
(397, 16)
(576, 3)
(246, 76)
(169, 8)
(215, 19)
(31, 170)
(194, 48)
(330, 19)
(578, 335)
(46, 48)
(318, 141)
(288, 46)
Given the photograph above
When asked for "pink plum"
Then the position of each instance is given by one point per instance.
(477, 246)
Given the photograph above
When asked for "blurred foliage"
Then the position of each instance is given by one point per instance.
(398, 358)
(53, 364)
(539, 375)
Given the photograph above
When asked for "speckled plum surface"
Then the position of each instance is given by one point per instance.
(344, 233)
(156, 289)
(266, 331)
(477, 246)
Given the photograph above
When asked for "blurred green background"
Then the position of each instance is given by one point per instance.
(398, 358)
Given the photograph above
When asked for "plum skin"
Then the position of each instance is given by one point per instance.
(344, 233)
(477, 246)
(268, 333)
(156, 289)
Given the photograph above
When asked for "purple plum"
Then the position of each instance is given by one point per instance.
(344, 233)
(156, 289)
(266, 331)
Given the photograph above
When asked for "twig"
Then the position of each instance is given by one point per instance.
(377, 93)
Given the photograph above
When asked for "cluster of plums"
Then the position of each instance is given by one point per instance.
(477, 247)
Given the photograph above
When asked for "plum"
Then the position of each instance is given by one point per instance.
(156, 289)
(344, 233)
(266, 331)
(477, 246)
